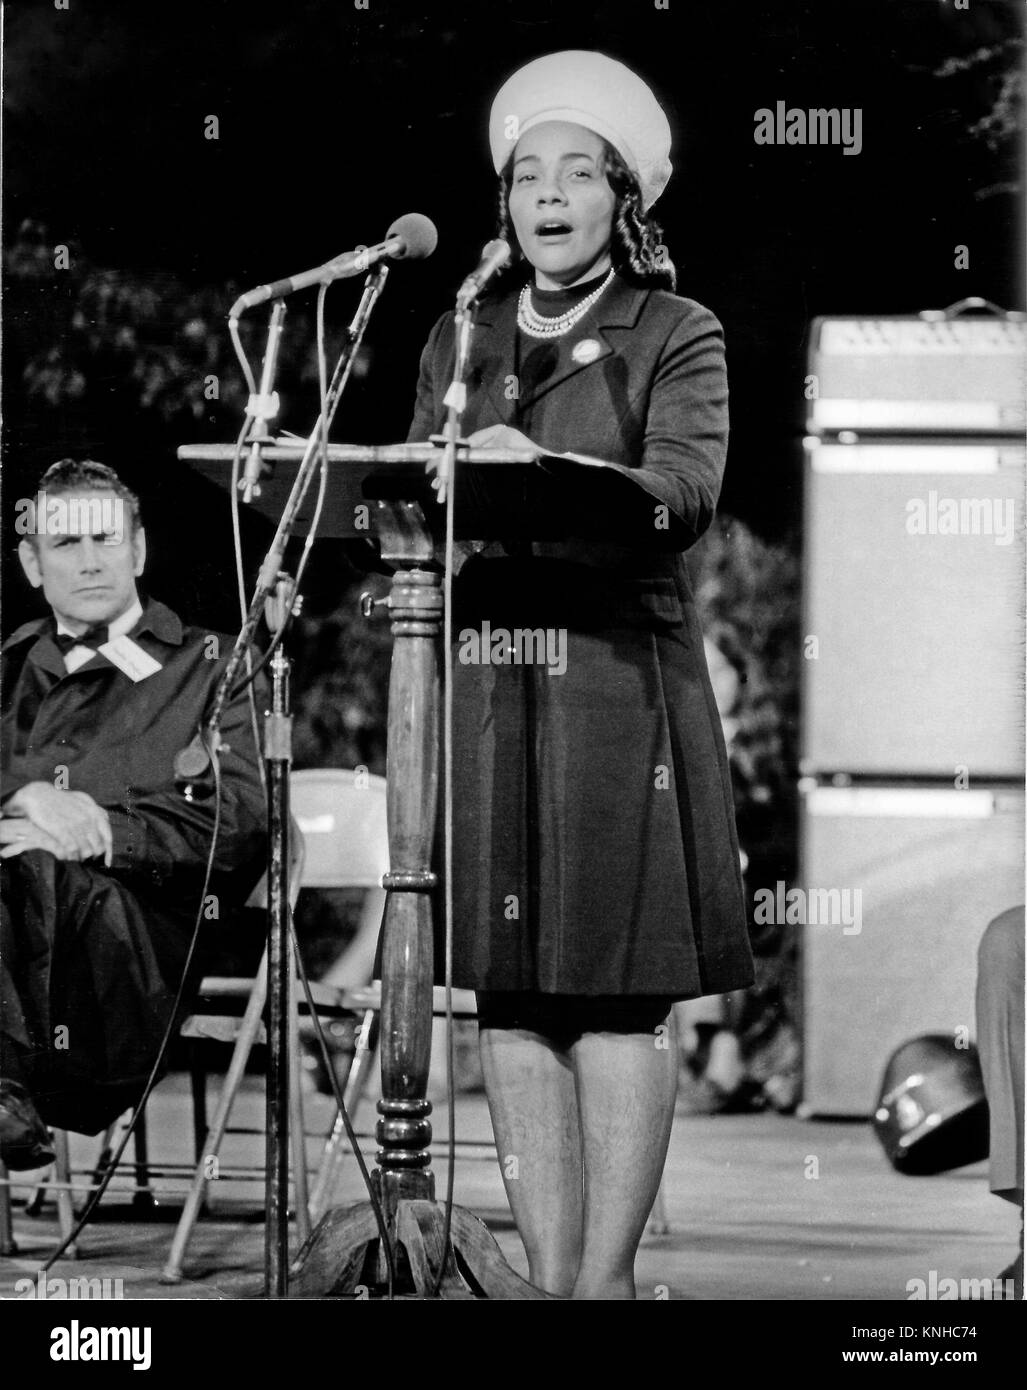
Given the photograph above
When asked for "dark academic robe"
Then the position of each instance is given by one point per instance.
(91, 957)
(595, 846)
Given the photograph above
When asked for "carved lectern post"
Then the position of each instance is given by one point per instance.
(412, 776)
(342, 1252)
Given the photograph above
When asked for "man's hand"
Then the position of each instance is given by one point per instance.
(80, 828)
(17, 834)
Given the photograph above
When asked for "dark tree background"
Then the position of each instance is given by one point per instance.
(331, 121)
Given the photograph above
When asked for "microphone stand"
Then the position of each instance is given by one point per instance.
(277, 757)
(279, 608)
(456, 397)
(455, 403)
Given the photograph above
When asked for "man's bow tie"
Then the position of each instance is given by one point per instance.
(92, 637)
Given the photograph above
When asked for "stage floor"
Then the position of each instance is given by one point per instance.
(759, 1206)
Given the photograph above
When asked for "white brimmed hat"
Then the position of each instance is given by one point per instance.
(590, 90)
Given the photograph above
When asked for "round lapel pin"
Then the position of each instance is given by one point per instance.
(586, 351)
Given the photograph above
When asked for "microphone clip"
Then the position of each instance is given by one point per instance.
(263, 407)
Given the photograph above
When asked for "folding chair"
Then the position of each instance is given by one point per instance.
(210, 1020)
(340, 818)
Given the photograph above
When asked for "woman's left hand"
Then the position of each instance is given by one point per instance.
(492, 437)
(501, 437)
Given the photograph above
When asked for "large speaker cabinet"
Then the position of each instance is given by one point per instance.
(917, 668)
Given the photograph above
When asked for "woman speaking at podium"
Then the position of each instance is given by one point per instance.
(596, 867)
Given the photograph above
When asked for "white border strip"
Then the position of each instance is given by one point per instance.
(855, 414)
(936, 803)
(912, 458)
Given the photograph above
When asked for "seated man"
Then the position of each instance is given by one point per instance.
(103, 852)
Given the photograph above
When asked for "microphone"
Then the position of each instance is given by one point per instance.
(411, 237)
(494, 257)
(264, 407)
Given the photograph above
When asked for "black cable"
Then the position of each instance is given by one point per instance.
(247, 681)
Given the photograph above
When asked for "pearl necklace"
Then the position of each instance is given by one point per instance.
(537, 325)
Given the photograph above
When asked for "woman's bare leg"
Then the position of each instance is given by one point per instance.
(532, 1099)
(626, 1086)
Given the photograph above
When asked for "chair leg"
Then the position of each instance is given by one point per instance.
(62, 1196)
(248, 1030)
(366, 1057)
(8, 1245)
(143, 1199)
(198, 1090)
(37, 1197)
(355, 1089)
(65, 1205)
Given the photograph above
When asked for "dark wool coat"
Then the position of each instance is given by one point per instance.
(100, 950)
(595, 848)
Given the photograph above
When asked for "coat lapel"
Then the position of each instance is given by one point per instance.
(35, 640)
(493, 362)
(494, 365)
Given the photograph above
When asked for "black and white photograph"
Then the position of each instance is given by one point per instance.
(513, 670)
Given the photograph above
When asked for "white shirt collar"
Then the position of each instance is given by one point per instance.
(119, 626)
(78, 656)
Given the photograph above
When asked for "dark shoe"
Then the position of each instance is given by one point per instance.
(24, 1140)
